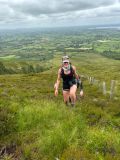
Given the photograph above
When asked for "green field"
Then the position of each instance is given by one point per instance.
(8, 57)
(35, 125)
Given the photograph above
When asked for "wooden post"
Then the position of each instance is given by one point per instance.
(112, 88)
(104, 88)
(91, 80)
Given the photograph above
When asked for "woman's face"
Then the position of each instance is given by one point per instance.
(66, 64)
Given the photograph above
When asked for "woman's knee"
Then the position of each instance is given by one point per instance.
(66, 96)
(65, 99)
(72, 94)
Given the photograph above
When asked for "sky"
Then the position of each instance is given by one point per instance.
(57, 13)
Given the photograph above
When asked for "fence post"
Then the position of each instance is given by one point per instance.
(113, 85)
(91, 80)
(104, 88)
(112, 88)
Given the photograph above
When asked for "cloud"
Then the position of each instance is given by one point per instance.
(37, 7)
(44, 12)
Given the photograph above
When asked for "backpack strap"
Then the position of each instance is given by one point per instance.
(62, 71)
(72, 70)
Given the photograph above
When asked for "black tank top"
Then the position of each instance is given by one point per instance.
(67, 77)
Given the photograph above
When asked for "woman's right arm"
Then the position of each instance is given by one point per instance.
(56, 86)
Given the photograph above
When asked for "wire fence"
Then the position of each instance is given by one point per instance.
(102, 85)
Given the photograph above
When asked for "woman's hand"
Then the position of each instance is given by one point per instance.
(56, 92)
(81, 93)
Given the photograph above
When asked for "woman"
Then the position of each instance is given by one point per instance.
(68, 73)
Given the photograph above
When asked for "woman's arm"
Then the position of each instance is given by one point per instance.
(78, 78)
(56, 86)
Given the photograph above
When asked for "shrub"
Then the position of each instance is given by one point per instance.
(7, 119)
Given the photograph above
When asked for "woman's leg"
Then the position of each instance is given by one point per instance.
(66, 94)
(73, 90)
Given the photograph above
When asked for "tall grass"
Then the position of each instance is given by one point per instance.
(58, 127)
(43, 128)
(47, 129)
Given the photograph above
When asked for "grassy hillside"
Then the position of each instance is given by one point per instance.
(34, 125)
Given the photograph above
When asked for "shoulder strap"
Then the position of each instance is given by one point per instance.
(72, 70)
(61, 71)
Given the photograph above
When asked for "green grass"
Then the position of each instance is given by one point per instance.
(42, 127)
(35, 125)
(9, 57)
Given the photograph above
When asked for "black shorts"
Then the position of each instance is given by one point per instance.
(67, 85)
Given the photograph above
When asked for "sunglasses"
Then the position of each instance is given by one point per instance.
(65, 62)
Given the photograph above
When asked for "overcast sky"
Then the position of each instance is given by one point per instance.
(52, 13)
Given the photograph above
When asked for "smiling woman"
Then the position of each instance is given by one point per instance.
(70, 77)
